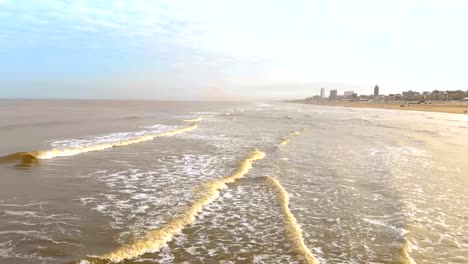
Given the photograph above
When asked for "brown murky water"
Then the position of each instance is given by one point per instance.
(175, 182)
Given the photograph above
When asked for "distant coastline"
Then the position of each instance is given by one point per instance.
(454, 107)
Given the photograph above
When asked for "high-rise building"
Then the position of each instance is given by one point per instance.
(376, 91)
(322, 93)
(333, 95)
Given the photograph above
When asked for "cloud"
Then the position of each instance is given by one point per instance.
(236, 45)
(144, 23)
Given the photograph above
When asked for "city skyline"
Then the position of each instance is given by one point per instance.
(334, 94)
(376, 91)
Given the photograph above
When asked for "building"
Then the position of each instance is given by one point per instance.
(363, 97)
(322, 93)
(426, 95)
(315, 98)
(393, 97)
(348, 94)
(376, 91)
(456, 95)
(410, 95)
(333, 95)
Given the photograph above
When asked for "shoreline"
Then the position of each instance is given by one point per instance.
(457, 107)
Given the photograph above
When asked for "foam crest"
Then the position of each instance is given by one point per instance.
(407, 259)
(294, 231)
(198, 119)
(286, 141)
(53, 153)
(157, 238)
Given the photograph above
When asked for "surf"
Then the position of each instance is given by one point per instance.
(198, 119)
(405, 252)
(24, 158)
(284, 142)
(30, 157)
(207, 193)
(293, 230)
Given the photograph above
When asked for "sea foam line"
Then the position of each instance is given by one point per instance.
(294, 231)
(407, 259)
(284, 142)
(158, 238)
(198, 119)
(28, 157)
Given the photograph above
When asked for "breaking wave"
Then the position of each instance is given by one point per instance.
(198, 119)
(157, 238)
(407, 259)
(31, 157)
(294, 231)
(286, 141)
(24, 158)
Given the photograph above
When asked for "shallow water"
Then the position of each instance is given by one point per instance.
(362, 185)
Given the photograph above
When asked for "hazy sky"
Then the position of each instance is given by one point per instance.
(148, 49)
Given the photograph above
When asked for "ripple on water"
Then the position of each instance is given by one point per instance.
(30, 233)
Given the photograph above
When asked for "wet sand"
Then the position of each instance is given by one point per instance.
(441, 107)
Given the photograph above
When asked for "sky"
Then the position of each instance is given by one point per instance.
(223, 49)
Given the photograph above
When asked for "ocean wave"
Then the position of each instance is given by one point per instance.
(74, 147)
(284, 142)
(157, 238)
(198, 119)
(294, 231)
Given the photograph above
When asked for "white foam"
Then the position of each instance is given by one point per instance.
(87, 200)
(191, 250)
(23, 205)
(375, 222)
(133, 192)
(21, 232)
(158, 128)
(140, 196)
(74, 145)
(20, 213)
(258, 258)
(212, 252)
(205, 113)
(101, 208)
(6, 248)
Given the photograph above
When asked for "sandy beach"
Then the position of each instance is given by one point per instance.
(457, 107)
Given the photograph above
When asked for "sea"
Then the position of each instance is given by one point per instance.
(89, 181)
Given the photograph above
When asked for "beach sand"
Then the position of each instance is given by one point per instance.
(458, 107)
